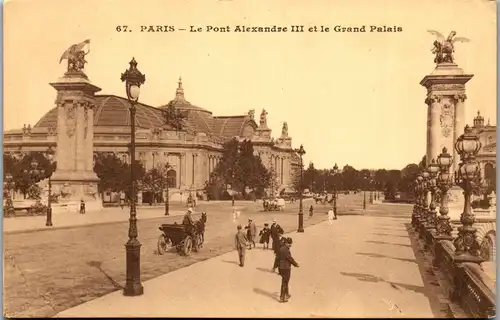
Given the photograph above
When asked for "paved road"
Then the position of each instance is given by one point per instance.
(361, 266)
(49, 271)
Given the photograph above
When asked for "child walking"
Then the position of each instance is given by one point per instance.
(265, 235)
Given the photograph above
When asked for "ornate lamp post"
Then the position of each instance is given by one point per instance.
(467, 177)
(49, 155)
(133, 79)
(8, 186)
(425, 198)
(335, 171)
(443, 226)
(415, 204)
(419, 202)
(431, 218)
(301, 152)
(232, 189)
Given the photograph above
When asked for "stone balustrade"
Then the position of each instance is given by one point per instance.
(466, 284)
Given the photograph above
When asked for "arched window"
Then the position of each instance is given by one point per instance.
(172, 178)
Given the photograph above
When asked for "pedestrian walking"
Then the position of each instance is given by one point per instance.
(252, 228)
(82, 206)
(311, 210)
(330, 216)
(285, 268)
(265, 235)
(241, 245)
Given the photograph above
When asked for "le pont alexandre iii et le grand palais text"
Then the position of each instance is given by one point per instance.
(263, 29)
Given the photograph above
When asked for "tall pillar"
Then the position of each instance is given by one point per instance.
(445, 120)
(74, 178)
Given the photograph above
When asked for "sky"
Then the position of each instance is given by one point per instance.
(349, 98)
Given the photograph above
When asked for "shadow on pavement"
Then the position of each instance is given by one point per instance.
(272, 295)
(264, 270)
(376, 255)
(428, 279)
(390, 235)
(228, 261)
(395, 285)
(98, 264)
(391, 243)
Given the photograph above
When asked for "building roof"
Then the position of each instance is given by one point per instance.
(113, 111)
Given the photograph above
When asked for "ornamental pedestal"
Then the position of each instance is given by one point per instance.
(446, 120)
(74, 179)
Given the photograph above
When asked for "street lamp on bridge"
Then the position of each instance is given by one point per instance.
(468, 177)
(443, 226)
(335, 171)
(49, 155)
(301, 152)
(133, 79)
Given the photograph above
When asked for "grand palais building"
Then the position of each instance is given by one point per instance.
(192, 152)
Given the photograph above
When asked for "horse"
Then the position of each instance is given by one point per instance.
(200, 228)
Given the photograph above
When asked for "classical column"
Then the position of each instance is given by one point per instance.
(74, 155)
(433, 127)
(209, 165)
(459, 100)
(181, 169)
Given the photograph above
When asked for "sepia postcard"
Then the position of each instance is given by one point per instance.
(249, 158)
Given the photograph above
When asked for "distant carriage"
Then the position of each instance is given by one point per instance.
(181, 237)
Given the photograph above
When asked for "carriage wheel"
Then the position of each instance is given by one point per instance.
(164, 244)
(188, 246)
(200, 240)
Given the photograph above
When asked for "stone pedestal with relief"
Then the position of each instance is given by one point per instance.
(446, 120)
(74, 179)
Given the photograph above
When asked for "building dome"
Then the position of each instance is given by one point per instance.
(181, 103)
(113, 111)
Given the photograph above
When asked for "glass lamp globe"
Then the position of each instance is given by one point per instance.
(433, 167)
(133, 92)
(425, 174)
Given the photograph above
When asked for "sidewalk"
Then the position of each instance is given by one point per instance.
(361, 266)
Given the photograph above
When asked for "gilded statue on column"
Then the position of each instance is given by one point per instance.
(76, 56)
(445, 47)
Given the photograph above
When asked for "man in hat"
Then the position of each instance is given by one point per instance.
(189, 222)
(241, 244)
(285, 265)
(276, 232)
(252, 231)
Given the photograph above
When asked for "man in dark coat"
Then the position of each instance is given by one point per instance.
(241, 245)
(285, 265)
(276, 232)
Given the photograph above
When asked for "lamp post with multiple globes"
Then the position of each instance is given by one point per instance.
(443, 226)
(49, 155)
(468, 178)
(133, 79)
(301, 152)
(433, 170)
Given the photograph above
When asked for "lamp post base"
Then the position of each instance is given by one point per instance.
(133, 286)
(301, 223)
(48, 223)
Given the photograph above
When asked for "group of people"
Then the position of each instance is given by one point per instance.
(283, 259)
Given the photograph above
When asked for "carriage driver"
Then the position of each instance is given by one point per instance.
(189, 222)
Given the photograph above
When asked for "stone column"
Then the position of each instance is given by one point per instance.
(446, 95)
(181, 170)
(433, 127)
(74, 177)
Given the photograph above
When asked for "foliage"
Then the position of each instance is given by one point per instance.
(22, 171)
(175, 117)
(157, 178)
(114, 174)
(240, 169)
(34, 192)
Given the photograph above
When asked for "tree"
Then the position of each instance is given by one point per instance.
(175, 117)
(114, 174)
(408, 176)
(240, 168)
(21, 171)
(310, 175)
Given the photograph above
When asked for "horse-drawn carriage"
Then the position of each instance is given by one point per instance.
(274, 205)
(185, 238)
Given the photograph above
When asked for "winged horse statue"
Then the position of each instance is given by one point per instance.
(444, 47)
(76, 56)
